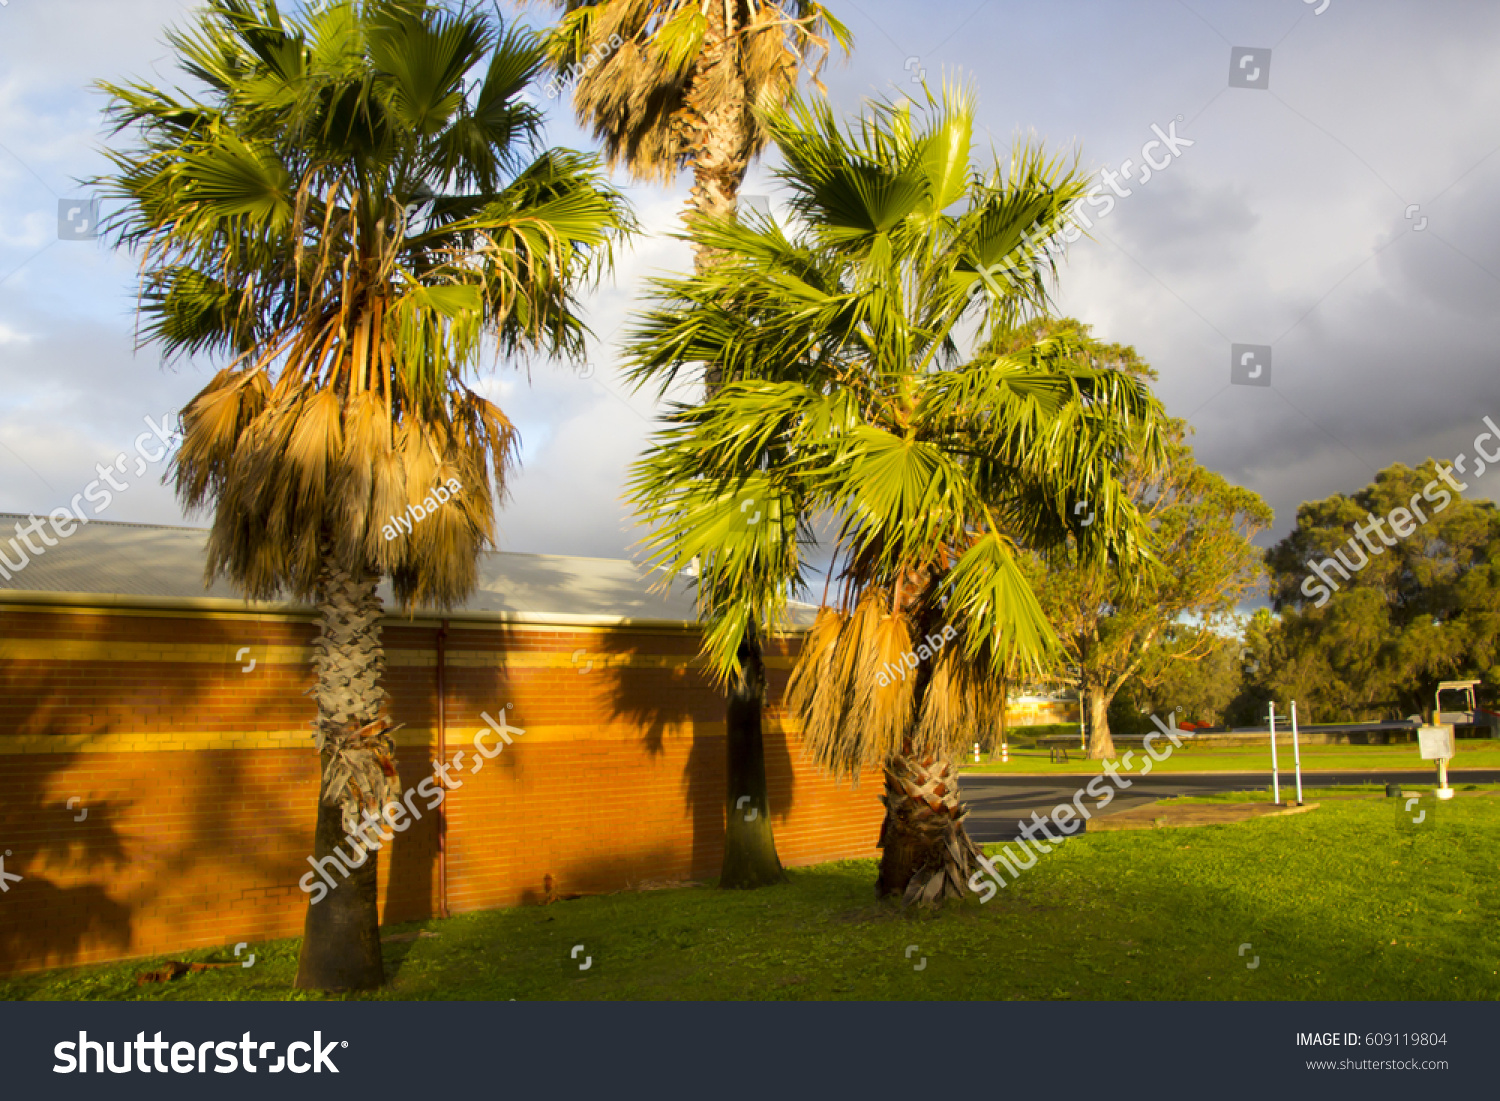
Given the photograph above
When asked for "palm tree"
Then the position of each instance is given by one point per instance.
(666, 84)
(873, 392)
(348, 223)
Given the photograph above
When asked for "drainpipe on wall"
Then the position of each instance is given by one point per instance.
(442, 733)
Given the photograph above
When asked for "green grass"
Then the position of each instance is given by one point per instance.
(1310, 794)
(1477, 753)
(1337, 904)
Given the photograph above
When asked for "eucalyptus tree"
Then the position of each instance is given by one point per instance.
(1206, 564)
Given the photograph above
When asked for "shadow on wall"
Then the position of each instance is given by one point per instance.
(621, 678)
(40, 920)
(411, 890)
(213, 843)
(411, 885)
(212, 847)
(104, 848)
(655, 868)
(661, 700)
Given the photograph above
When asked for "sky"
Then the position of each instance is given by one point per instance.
(1322, 225)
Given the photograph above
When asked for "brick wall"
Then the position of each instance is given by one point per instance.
(200, 782)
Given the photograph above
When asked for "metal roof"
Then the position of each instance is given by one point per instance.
(150, 565)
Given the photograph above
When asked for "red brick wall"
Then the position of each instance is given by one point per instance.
(200, 780)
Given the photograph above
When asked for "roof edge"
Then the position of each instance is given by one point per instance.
(106, 601)
(294, 608)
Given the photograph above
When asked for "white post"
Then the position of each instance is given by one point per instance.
(1296, 753)
(976, 753)
(1436, 742)
(1275, 776)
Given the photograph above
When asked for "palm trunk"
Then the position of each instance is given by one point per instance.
(1101, 745)
(341, 938)
(750, 858)
(927, 854)
(718, 124)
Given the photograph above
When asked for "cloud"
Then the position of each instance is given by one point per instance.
(12, 336)
(1285, 224)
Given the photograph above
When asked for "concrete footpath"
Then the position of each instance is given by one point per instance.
(1154, 816)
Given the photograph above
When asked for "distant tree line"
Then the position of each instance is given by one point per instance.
(1412, 611)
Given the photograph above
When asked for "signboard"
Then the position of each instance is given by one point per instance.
(1436, 742)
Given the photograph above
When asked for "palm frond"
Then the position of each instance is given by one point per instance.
(352, 225)
(850, 403)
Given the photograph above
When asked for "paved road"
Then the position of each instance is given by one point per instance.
(996, 802)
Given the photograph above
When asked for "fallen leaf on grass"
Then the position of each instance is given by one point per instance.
(175, 969)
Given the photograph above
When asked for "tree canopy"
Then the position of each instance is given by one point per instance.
(1193, 672)
(1108, 615)
(854, 398)
(1373, 615)
(350, 218)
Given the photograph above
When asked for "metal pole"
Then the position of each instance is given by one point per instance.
(1296, 753)
(1275, 776)
(1083, 734)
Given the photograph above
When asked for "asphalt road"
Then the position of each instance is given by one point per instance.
(996, 803)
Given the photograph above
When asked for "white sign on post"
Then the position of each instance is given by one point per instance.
(1436, 742)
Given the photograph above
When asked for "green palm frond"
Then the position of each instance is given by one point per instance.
(352, 220)
(853, 404)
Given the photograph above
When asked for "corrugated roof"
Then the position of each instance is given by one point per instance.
(155, 565)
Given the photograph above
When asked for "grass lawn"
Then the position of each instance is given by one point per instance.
(1475, 753)
(1339, 903)
(1313, 795)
